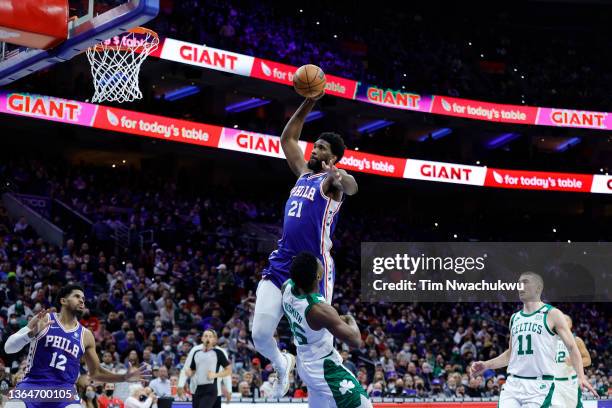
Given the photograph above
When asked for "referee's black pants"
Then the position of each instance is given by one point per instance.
(205, 396)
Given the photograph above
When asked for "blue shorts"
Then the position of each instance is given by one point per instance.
(278, 273)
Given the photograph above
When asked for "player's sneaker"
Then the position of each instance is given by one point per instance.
(281, 386)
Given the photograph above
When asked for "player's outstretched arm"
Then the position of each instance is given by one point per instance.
(35, 326)
(324, 316)
(558, 323)
(291, 135)
(98, 373)
(479, 367)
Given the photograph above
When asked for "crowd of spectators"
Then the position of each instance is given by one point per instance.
(151, 303)
(495, 55)
(549, 59)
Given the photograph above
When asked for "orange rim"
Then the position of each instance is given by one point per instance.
(154, 38)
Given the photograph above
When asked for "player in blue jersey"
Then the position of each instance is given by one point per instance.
(310, 218)
(57, 343)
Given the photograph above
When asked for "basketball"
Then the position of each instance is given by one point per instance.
(309, 81)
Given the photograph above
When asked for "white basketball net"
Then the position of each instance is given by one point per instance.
(115, 65)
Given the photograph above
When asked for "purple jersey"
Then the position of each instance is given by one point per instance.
(55, 355)
(309, 221)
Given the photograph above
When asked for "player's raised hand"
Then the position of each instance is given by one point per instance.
(39, 322)
(319, 96)
(477, 368)
(332, 171)
(137, 374)
(586, 385)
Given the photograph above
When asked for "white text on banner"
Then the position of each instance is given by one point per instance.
(445, 172)
(207, 57)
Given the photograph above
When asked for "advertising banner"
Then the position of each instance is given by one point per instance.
(206, 57)
(444, 172)
(176, 130)
(283, 74)
(254, 143)
(492, 112)
(48, 108)
(538, 180)
(372, 163)
(394, 99)
(241, 64)
(574, 118)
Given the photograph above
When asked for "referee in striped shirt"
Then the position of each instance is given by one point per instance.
(203, 363)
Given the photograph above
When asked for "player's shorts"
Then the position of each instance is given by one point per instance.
(278, 273)
(522, 392)
(568, 393)
(330, 384)
(39, 390)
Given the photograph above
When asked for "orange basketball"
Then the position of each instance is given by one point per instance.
(309, 81)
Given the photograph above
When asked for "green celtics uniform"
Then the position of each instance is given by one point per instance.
(532, 361)
(567, 391)
(329, 383)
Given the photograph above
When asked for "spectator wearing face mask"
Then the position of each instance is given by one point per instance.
(377, 390)
(108, 398)
(89, 399)
(436, 389)
(166, 353)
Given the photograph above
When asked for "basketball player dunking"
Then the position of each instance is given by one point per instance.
(310, 218)
(57, 343)
(530, 357)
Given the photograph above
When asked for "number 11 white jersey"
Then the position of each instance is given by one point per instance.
(534, 345)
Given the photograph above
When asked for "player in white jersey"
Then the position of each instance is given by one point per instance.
(530, 357)
(567, 392)
(314, 324)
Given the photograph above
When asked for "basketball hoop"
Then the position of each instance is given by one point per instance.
(115, 65)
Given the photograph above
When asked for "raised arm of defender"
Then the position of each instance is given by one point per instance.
(97, 373)
(324, 316)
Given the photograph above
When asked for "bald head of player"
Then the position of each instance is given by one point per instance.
(328, 148)
(306, 272)
(533, 285)
(70, 301)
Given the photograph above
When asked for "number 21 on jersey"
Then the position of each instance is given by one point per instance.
(296, 209)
